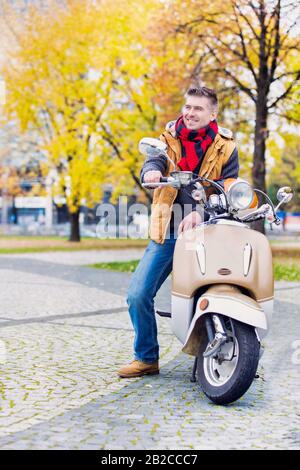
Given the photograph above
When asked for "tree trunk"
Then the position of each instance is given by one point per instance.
(261, 129)
(75, 231)
(259, 164)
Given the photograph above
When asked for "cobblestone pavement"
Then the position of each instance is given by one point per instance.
(64, 331)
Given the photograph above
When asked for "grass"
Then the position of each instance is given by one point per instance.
(39, 244)
(286, 263)
(286, 240)
(122, 266)
(286, 256)
(286, 273)
(23, 244)
(285, 269)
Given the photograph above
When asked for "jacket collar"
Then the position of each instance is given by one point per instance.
(173, 142)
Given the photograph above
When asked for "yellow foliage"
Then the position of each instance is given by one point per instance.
(79, 79)
(93, 77)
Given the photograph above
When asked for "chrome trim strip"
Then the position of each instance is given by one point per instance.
(177, 294)
(265, 300)
(228, 222)
(201, 255)
(247, 258)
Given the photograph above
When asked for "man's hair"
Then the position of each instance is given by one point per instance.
(206, 92)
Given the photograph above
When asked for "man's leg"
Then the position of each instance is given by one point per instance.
(152, 271)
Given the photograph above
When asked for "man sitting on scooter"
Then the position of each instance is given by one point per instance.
(197, 144)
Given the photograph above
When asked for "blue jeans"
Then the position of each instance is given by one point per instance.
(152, 271)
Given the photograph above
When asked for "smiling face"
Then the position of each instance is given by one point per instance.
(197, 112)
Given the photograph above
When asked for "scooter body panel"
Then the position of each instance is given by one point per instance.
(223, 254)
(229, 301)
(181, 317)
(232, 267)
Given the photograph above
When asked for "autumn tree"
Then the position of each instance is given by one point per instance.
(286, 166)
(77, 79)
(244, 48)
(9, 188)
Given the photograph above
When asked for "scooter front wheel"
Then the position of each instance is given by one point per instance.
(226, 376)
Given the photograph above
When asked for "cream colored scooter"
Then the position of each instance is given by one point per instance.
(222, 282)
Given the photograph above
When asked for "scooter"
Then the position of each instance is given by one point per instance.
(222, 281)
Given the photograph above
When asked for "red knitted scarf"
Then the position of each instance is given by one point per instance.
(194, 143)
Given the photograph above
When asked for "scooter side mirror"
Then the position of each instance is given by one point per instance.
(285, 194)
(151, 146)
(154, 148)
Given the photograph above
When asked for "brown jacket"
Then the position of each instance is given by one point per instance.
(216, 156)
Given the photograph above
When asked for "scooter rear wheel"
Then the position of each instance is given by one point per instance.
(224, 382)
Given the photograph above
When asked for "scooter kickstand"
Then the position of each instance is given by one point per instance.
(193, 378)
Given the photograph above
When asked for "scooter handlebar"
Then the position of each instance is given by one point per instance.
(164, 180)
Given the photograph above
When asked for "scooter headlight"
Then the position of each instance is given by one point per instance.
(240, 195)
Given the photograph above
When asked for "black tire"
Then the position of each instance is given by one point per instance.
(243, 373)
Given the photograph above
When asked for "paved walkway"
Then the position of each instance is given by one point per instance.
(64, 331)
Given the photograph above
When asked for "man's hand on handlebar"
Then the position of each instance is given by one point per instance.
(152, 176)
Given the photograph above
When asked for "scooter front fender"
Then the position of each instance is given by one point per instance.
(226, 300)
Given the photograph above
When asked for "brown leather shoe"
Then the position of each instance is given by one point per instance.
(138, 369)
